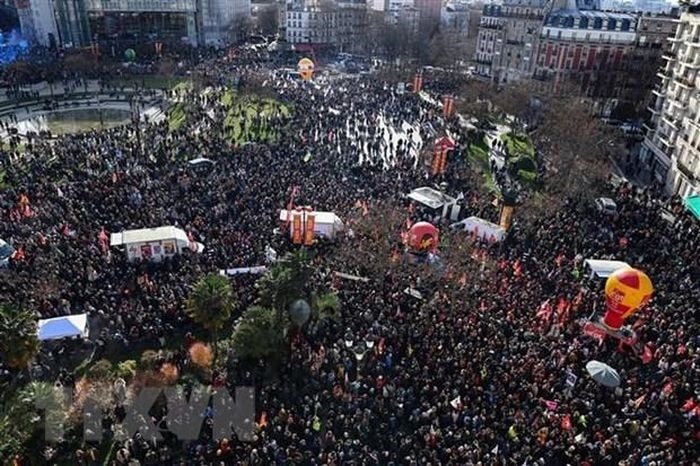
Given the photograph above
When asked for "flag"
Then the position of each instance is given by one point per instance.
(551, 405)
(559, 260)
(689, 405)
(517, 268)
(463, 280)
(103, 239)
(668, 388)
(638, 402)
(192, 243)
(545, 310)
(566, 422)
(647, 355)
(563, 307)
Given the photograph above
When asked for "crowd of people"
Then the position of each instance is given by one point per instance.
(473, 374)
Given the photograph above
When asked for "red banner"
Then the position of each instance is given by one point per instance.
(309, 232)
(417, 83)
(296, 229)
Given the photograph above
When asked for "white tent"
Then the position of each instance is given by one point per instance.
(63, 327)
(603, 268)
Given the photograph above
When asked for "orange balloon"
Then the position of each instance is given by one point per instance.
(306, 68)
(626, 290)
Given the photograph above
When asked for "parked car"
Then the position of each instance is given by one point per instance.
(606, 205)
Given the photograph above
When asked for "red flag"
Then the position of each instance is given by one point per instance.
(668, 388)
(66, 230)
(463, 280)
(566, 422)
(482, 306)
(563, 307)
(545, 310)
(647, 355)
(559, 260)
(103, 239)
(689, 405)
(192, 243)
(638, 402)
(517, 268)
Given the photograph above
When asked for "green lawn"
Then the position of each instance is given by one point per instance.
(521, 157)
(238, 123)
(518, 144)
(478, 158)
(176, 116)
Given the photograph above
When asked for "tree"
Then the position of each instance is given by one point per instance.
(286, 281)
(210, 304)
(21, 419)
(259, 335)
(240, 28)
(18, 336)
(268, 19)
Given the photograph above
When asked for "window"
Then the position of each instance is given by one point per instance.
(583, 23)
(598, 23)
(612, 24)
(625, 25)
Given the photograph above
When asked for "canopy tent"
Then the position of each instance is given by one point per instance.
(63, 327)
(692, 203)
(604, 268)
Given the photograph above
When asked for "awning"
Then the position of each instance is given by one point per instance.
(63, 327)
(692, 203)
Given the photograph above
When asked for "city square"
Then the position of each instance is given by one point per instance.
(253, 248)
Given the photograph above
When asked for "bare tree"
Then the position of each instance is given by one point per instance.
(268, 19)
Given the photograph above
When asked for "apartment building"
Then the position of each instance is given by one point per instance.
(671, 148)
(340, 25)
(508, 39)
(589, 48)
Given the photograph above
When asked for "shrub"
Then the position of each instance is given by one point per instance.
(126, 369)
(100, 370)
(527, 177)
(201, 355)
(148, 359)
(523, 162)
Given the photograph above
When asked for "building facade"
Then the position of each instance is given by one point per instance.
(72, 22)
(671, 148)
(651, 43)
(508, 39)
(196, 22)
(340, 25)
(429, 11)
(37, 21)
(589, 48)
(454, 21)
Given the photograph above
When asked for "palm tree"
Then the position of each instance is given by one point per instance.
(210, 304)
(19, 342)
(286, 281)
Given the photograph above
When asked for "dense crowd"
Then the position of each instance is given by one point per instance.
(473, 374)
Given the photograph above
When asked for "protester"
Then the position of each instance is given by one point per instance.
(474, 375)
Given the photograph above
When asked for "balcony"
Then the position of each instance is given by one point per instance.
(491, 26)
(662, 76)
(657, 93)
(685, 170)
(685, 83)
(675, 124)
(670, 56)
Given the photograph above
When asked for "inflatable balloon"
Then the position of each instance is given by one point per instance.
(130, 54)
(423, 237)
(626, 290)
(306, 68)
(299, 312)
